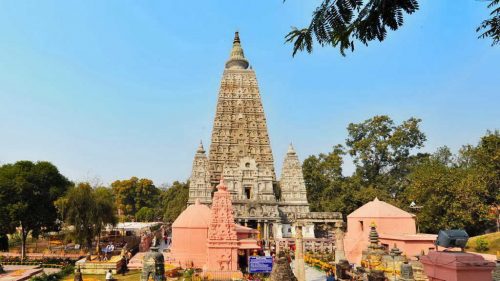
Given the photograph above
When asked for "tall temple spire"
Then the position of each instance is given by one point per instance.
(237, 57)
(239, 134)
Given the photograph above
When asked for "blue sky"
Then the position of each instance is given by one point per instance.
(114, 89)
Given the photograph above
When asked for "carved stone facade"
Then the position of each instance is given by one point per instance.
(222, 238)
(199, 183)
(240, 152)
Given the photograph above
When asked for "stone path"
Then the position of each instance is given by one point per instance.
(312, 274)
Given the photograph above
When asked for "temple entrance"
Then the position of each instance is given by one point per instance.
(252, 224)
(243, 260)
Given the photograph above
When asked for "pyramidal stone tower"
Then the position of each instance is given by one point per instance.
(293, 188)
(240, 152)
(240, 129)
(199, 185)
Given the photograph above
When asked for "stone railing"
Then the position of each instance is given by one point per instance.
(313, 245)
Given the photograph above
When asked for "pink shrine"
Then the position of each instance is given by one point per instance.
(208, 238)
(394, 226)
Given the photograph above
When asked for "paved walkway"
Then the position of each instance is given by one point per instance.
(312, 274)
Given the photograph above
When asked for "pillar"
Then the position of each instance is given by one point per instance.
(300, 271)
(266, 230)
(339, 245)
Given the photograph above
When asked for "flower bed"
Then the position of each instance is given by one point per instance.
(319, 262)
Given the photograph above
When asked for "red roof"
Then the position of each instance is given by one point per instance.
(379, 209)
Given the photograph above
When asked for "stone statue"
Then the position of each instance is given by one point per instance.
(153, 264)
(281, 269)
(123, 252)
(376, 275)
(406, 271)
(342, 269)
(78, 275)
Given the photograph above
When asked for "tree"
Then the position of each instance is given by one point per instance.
(491, 26)
(27, 193)
(483, 162)
(382, 150)
(451, 197)
(339, 23)
(323, 172)
(145, 214)
(175, 200)
(88, 210)
(133, 194)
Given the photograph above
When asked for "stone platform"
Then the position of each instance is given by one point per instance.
(19, 272)
(136, 261)
(99, 267)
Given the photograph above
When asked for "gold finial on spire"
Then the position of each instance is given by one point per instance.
(237, 57)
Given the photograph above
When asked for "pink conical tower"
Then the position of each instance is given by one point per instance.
(222, 240)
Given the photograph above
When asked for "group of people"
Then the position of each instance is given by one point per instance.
(108, 251)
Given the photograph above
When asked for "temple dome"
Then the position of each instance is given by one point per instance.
(195, 216)
(379, 209)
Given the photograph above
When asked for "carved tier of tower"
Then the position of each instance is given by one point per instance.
(240, 128)
(199, 182)
(293, 187)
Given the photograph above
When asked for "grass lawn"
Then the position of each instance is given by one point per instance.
(133, 275)
(493, 240)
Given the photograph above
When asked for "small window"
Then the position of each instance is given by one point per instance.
(248, 191)
(361, 225)
(247, 164)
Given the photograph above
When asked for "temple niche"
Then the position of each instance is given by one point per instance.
(240, 153)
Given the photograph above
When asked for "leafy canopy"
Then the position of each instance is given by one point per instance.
(174, 200)
(133, 194)
(88, 210)
(27, 194)
(491, 27)
(340, 23)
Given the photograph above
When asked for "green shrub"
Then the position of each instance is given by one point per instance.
(65, 271)
(481, 245)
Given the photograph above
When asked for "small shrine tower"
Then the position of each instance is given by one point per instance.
(222, 260)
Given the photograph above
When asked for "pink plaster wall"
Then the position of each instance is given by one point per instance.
(190, 245)
(356, 238)
(410, 248)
